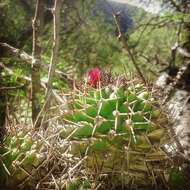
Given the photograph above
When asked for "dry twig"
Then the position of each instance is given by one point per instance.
(126, 46)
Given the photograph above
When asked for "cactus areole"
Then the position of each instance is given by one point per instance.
(93, 77)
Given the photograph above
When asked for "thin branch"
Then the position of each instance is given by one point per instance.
(126, 46)
(56, 42)
(54, 59)
(17, 52)
(28, 59)
(5, 88)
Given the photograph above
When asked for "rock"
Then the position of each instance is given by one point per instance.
(178, 109)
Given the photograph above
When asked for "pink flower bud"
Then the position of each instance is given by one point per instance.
(94, 76)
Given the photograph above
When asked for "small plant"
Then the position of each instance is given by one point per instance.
(119, 131)
(19, 158)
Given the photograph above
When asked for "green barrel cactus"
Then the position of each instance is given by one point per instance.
(120, 131)
(19, 158)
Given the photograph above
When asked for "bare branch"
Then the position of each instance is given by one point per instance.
(56, 41)
(5, 88)
(122, 37)
(28, 59)
(18, 53)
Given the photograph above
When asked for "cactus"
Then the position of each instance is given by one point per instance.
(121, 131)
(19, 156)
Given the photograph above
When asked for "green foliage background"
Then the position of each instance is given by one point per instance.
(88, 41)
